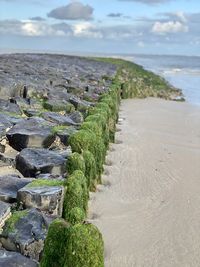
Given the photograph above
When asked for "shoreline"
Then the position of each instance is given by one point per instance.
(147, 207)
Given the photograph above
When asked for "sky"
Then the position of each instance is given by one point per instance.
(101, 26)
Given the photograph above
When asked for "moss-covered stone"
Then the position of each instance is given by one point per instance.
(90, 170)
(45, 182)
(16, 216)
(55, 244)
(75, 162)
(85, 247)
(76, 194)
(76, 215)
(57, 106)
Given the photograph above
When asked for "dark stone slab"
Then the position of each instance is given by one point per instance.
(31, 162)
(26, 235)
(9, 186)
(45, 198)
(58, 119)
(13, 259)
(33, 132)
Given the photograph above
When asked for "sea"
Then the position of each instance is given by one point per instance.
(181, 71)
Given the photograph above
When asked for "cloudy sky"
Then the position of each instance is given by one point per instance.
(107, 26)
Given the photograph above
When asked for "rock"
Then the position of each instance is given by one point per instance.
(33, 132)
(25, 232)
(46, 198)
(31, 162)
(57, 105)
(13, 259)
(6, 106)
(80, 105)
(77, 117)
(9, 186)
(65, 133)
(58, 118)
(4, 213)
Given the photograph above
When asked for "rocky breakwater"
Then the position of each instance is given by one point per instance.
(44, 100)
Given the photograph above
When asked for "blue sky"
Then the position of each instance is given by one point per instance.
(106, 26)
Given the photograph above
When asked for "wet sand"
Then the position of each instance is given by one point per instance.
(148, 209)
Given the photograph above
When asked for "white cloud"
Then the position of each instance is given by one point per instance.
(86, 29)
(141, 44)
(169, 27)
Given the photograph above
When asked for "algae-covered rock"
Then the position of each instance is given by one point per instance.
(25, 232)
(75, 162)
(76, 215)
(55, 244)
(85, 247)
(76, 194)
(90, 170)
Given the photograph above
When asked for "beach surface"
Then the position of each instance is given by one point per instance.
(148, 208)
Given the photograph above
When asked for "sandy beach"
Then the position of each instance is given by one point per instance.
(148, 208)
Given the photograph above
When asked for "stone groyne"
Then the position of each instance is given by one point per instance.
(57, 118)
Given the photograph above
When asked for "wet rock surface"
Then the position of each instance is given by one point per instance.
(46, 198)
(13, 259)
(31, 162)
(9, 186)
(43, 101)
(33, 132)
(26, 234)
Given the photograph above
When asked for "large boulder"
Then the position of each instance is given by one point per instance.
(13, 259)
(4, 213)
(25, 232)
(58, 119)
(34, 132)
(57, 105)
(46, 198)
(6, 106)
(9, 186)
(31, 162)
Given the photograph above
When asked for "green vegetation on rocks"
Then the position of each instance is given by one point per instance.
(90, 170)
(76, 215)
(55, 244)
(76, 194)
(11, 222)
(45, 182)
(75, 162)
(85, 247)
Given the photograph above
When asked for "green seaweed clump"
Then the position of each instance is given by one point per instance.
(90, 170)
(76, 215)
(75, 162)
(85, 247)
(76, 194)
(55, 244)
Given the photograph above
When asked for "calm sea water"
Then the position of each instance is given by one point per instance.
(182, 72)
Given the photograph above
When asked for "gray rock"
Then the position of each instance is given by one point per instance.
(64, 134)
(48, 199)
(77, 117)
(57, 105)
(31, 162)
(34, 132)
(58, 119)
(9, 186)
(13, 259)
(4, 212)
(26, 235)
(6, 106)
